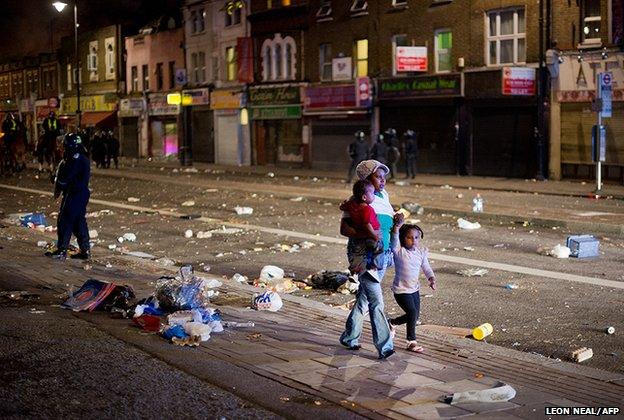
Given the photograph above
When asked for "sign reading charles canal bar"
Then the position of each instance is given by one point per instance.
(420, 87)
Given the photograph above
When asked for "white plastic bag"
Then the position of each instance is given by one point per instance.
(243, 210)
(268, 301)
(560, 251)
(465, 224)
(198, 329)
(271, 272)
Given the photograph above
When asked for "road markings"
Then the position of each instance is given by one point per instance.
(341, 241)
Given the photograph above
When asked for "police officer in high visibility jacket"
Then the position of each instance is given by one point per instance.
(72, 180)
(47, 145)
(9, 128)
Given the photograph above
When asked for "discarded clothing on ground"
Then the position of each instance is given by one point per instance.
(330, 280)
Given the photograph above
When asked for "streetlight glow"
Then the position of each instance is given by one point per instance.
(59, 6)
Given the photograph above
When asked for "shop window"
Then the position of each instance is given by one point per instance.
(506, 37)
(324, 11)
(145, 74)
(443, 44)
(591, 22)
(360, 54)
(134, 76)
(230, 63)
(397, 41)
(325, 62)
(159, 76)
(279, 58)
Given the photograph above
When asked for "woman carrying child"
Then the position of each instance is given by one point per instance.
(409, 260)
(369, 296)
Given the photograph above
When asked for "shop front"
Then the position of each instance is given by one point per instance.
(231, 134)
(501, 114)
(333, 114)
(428, 105)
(98, 112)
(131, 121)
(573, 116)
(163, 128)
(197, 102)
(277, 129)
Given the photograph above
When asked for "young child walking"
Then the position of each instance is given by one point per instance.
(409, 259)
(364, 221)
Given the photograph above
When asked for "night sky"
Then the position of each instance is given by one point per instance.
(25, 24)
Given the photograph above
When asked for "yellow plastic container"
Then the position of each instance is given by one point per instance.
(482, 331)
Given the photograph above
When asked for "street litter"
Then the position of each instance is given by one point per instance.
(190, 170)
(582, 354)
(446, 187)
(401, 183)
(243, 210)
(104, 212)
(189, 203)
(559, 251)
(93, 293)
(271, 272)
(130, 237)
(473, 272)
(185, 290)
(468, 248)
(500, 393)
(583, 246)
(465, 224)
(239, 278)
(511, 286)
(188, 233)
(271, 175)
(42, 244)
(413, 208)
(296, 199)
(482, 331)
(133, 199)
(18, 295)
(610, 330)
(203, 235)
(35, 311)
(477, 204)
(140, 254)
(232, 324)
(267, 301)
(112, 247)
(226, 231)
(332, 280)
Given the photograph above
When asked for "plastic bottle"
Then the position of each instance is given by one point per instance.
(482, 331)
(477, 204)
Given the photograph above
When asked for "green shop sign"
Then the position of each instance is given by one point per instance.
(276, 112)
(286, 95)
(423, 86)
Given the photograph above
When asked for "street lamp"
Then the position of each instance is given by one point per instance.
(60, 6)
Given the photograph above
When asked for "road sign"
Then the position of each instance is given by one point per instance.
(604, 86)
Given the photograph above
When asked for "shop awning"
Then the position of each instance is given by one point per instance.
(101, 119)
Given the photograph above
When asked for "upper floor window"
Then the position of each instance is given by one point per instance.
(591, 21)
(397, 41)
(172, 74)
(233, 18)
(69, 77)
(360, 54)
(506, 37)
(197, 22)
(325, 62)
(230, 63)
(324, 11)
(134, 76)
(159, 76)
(399, 3)
(109, 58)
(443, 44)
(359, 7)
(145, 74)
(92, 58)
(279, 58)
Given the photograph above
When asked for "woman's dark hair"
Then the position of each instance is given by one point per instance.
(405, 229)
(359, 189)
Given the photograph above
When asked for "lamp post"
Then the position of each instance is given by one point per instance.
(60, 6)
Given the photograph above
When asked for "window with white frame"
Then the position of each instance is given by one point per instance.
(279, 58)
(591, 21)
(325, 62)
(145, 74)
(324, 11)
(230, 63)
(506, 37)
(399, 3)
(397, 41)
(92, 58)
(109, 58)
(134, 76)
(443, 44)
(359, 6)
(360, 57)
(69, 77)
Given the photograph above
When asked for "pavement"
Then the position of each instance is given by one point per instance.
(291, 362)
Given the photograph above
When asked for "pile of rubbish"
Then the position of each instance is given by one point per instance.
(179, 309)
(31, 220)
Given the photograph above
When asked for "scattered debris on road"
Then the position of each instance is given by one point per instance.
(473, 272)
(582, 354)
(500, 393)
(465, 224)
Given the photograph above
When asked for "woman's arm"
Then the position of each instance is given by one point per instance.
(346, 229)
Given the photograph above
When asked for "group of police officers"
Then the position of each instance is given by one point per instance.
(386, 150)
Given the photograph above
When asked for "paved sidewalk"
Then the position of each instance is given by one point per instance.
(297, 349)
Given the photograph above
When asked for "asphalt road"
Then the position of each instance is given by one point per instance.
(542, 315)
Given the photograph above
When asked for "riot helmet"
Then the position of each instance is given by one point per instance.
(73, 143)
(380, 137)
(409, 134)
(391, 133)
(359, 135)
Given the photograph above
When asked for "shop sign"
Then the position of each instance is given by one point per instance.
(274, 96)
(419, 87)
(342, 68)
(196, 96)
(92, 103)
(363, 92)
(518, 81)
(339, 96)
(276, 112)
(577, 81)
(226, 99)
(411, 59)
(25, 105)
(158, 105)
(131, 107)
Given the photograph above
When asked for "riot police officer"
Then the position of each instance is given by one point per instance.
(47, 144)
(72, 180)
(379, 151)
(357, 150)
(411, 153)
(392, 141)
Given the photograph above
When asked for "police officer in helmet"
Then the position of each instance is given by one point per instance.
(357, 150)
(72, 181)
